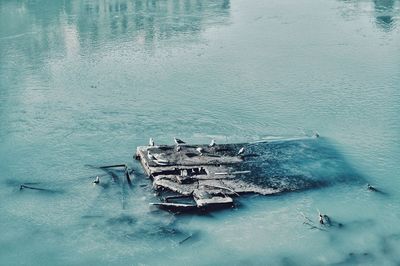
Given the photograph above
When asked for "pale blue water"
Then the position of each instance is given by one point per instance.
(85, 82)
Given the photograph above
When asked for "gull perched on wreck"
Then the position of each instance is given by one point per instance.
(200, 150)
(151, 142)
(179, 141)
(212, 144)
(241, 151)
(151, 156)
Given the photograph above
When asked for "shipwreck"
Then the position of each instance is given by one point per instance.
(204, 177)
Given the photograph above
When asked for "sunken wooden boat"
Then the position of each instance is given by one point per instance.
(212, 175)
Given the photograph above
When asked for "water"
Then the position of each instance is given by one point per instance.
(85, 82)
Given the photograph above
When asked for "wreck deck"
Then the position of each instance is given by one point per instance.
(265, 168)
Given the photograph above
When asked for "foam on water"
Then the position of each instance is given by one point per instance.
(85, 82)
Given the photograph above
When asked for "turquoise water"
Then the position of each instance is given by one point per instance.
(85, 82)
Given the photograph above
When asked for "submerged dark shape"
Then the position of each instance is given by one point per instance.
(390, 244)
(91, 216)
(128, 227)
(46, 190)
(385, 14)
(356, 259)
(357, 224)
(193, 237)
(155, 230)
(288, 261)
(109, 169)
(225, 170)
(122, 219)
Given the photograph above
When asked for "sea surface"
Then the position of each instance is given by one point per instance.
(86, 82)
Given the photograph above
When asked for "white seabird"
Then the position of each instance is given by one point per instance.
(97, 180)
(200, 150)
(151, 156)
(212, 144)
(151, 142)
(179, 141)
(241, 151)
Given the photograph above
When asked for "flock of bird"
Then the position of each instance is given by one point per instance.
(178, 142)
(200, 150)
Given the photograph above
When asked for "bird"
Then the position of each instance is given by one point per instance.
(212, 144)
(151, 142)
(97, 180)
(151, 156)
(200, 150)
(316, 135)
(241, 151)
(321, 219)
(179, 141)
(371, 188)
